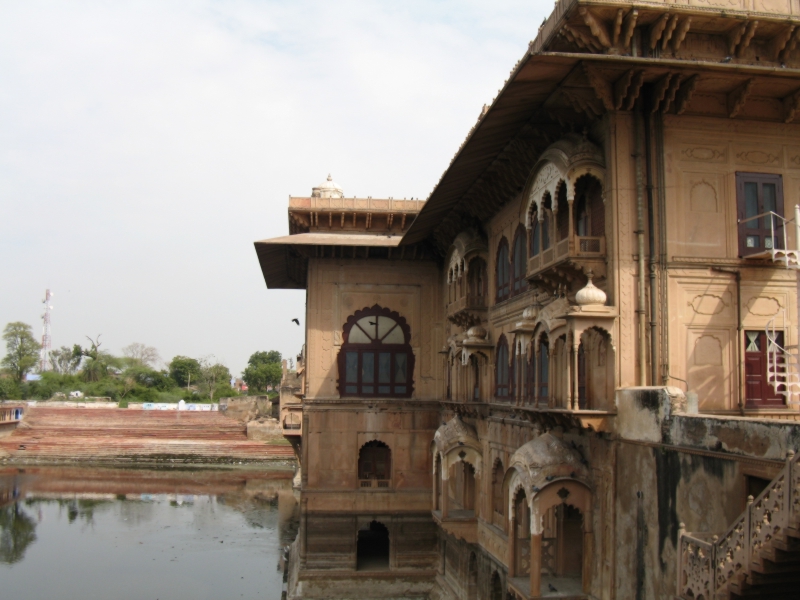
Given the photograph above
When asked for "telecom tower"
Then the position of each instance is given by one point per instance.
(44, 362)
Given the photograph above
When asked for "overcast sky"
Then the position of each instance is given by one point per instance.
(144, 146)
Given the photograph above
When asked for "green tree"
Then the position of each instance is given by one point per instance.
(22, 349)
(214, 378)
(184, 370)
(263, 369)
(64, 360)
(97, 362)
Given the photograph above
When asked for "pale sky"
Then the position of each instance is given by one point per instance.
(144, 147)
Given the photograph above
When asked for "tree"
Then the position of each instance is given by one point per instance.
(97, 361)
(261, 358)
(263, 369)
(141, 355)
(213, 376)
(184, 370)
(64, 361)
(22, 349)
(17, 532)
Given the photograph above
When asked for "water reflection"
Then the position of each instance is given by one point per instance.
(136, 533)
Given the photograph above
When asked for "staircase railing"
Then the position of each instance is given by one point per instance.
(708, 564)
(783, 367)
(776, 244)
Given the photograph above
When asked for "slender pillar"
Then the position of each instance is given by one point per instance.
(586, 572)
(570, 372)
(536, 564)
(445, 491)
(571, 234)
(512, 545)
(575, 348)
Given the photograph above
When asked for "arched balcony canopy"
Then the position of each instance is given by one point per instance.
(458, 441)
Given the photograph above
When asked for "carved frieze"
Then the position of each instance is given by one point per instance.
(704, 153)
(759, 157)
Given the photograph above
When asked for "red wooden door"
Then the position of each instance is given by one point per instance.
(759, 392)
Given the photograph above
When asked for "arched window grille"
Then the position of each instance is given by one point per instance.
(498, 501)
(503, 271)
(477, 280)
(536, 233)
(519, 262)
(375, 461)
(376, 357)
(543, 368)
(504, 371)
(547, 215)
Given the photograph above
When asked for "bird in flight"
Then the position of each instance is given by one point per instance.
(296, 321)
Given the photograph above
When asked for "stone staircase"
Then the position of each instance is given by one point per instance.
(55, 434)
(759, 555)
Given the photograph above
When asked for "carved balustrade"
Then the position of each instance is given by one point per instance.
(576, 247)
(708, 565)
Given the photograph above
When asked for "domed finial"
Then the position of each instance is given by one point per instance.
(329, 177)
(590, 295)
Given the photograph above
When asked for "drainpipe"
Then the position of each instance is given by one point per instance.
(740, 341)
(651, 235)
(640, 310)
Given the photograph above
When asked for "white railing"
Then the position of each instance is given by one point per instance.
(783, 367)
(710, 564)
(776, 245)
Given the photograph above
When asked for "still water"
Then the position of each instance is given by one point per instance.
(87, 533)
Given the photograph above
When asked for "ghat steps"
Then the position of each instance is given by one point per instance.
(48, 434)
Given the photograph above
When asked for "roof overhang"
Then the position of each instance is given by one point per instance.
(535, 87)
(284, 259)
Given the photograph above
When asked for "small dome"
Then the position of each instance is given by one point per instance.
(476, 332)
(545, 451)
(530, 313)
(590, 295)
(327, 189)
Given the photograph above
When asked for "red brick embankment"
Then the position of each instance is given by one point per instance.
(121, 435)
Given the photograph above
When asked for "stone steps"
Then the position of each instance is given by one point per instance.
(119, 434)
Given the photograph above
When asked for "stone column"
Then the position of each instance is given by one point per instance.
(445, 490)
(512, 545)
(586, 571)
(536, 565)
(570, 373)
(575, 348)
(571, 203)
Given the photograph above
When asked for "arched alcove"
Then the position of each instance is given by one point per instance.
(372, 548)
(375, 465)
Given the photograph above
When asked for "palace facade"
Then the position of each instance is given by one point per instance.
(572, 371)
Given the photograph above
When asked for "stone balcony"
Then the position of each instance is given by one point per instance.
(570, 254)
(467, 310)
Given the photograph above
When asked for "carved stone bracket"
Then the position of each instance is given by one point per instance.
(780, 41)
(791, 106)
(685, 93)
(738, 97)
(597, 28)
(600, 85)
(739, 38)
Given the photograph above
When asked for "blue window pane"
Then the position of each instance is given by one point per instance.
(400, 367)
(368, 367)
(351, 367)
(399, 389)
(384, 389)
(384, 367)
(367, 389)
(351, 389)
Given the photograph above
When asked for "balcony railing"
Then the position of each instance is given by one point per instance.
(575, 247)
(373, 483)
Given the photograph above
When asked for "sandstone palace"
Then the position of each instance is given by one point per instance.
(572, 371)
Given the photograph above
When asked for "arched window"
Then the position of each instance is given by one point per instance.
(376, 357)
(530, 381)
(562, 217)
(590, 213)
(536, 233)
(503, 271)
(503, 370)
(477, 280)
(476, 377)
(519, 262)
(547, 215)
(498, 503)
(543, 369)
(375, 462)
